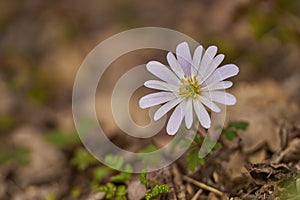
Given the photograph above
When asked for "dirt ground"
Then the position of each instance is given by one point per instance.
(43, 43)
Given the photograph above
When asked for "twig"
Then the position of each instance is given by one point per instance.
(203, 186)
(179, 187)
(195, 197)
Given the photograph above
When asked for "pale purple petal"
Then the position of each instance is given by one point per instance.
(202, 114)
(220, 97)
(211, 105)
(162, 72)
(175, 120)
(212, 66)
(218, 86)
(197, 59)
(160, 85)
(184, 57)
(166, 108)
(222, 73)
(157, 98)
(207, 58)
(175, 65)
(189, 113)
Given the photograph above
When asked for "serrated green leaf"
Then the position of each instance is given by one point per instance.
(157, 190)
(121, 193)
(239, 125)
(109, 190)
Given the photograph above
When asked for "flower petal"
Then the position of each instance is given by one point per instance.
(220, 97)
(211, 105)
(175, 65)
(218, 86)
(202, 114)
(162, 72)
(157, 98)
(189, 113)
(175, 119)
(184, 57)
(160, 85)
(166, 108)
(207, 58)
(222, 73)
(197, 59)
(213, 66)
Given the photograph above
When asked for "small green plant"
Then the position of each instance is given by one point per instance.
(123, 176)
(156, 190)
(143, 178)
(230, 132)
(62, 139)
(19, 156)
(75, 192)
(99, 173)
(111, 190)
(82, 159)
(115, 161)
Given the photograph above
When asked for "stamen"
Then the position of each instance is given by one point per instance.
(190, 87)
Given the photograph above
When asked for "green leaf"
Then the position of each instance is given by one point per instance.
(20, 156)
(75, 192)
(239, 125)
(99, 173)
(109, 190)
(157, 190)
(198, 140)
(193, 159)
(218, 145)
(115, 162)
(121, 193)
(148, 149)
(82, 159)
(120, 178)
(61, 139)
(143, 177)
(230, 134)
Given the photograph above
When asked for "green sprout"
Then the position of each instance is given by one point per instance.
(82, 159)
(157, 190)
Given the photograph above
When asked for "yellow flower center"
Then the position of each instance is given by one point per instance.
(190, 87)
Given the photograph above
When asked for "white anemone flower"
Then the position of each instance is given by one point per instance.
(192, 83)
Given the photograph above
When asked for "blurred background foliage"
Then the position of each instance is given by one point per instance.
(42, 44)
